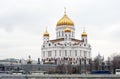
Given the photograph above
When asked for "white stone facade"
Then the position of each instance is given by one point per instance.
(65, 49)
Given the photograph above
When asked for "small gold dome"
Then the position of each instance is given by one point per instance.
(84, 34)
(67, 29)
(46, 34)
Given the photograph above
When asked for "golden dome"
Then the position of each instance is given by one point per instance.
(67, 29)
(46, 33)
(84, 34)
(65, 20)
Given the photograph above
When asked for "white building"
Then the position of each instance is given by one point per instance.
(65, 49)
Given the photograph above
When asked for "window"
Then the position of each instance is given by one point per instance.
(62, 33)
(72, 34)
(55, 53)
(69, 43)
(84, 44)
(85, 53)
(89, 54)
(70, 52)
(80, 52)
(75, 52)
(49, 53)
(59, 34)
(55, 44)
(60, 53)
(69, 35)
(65, 52)
(49, 44)
(65, 35)
(65, 45)
(43, 53)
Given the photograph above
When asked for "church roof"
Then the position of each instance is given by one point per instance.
(76, 40)
(65, 20)
(57, 40)
(62, 39)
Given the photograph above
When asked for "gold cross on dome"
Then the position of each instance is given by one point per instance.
(65, 10)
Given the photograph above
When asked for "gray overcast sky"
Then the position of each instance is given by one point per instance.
(23, 22)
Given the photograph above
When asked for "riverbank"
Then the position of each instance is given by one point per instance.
(56, 76)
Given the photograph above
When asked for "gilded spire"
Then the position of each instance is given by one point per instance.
(65, 10)
(46, 29)
(83, 29)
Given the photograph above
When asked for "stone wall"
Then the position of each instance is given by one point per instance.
(60, 76)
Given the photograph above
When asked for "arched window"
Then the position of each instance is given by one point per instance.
(49, 44)
(69, 35)
(65, 35)
(43, 53)
(65, 45)
(55, 53)
(62, 33)
(65, 52)
(55, 44)
(85, 53)
(70, 52)
(49, 53)
(59, 52)
(72, 34)
(75, 52)
(84, 44)
(59, 33)
(80, 53)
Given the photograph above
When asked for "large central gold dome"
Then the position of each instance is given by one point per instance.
(65, 20)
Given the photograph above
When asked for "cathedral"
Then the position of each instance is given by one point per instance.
(65, 49)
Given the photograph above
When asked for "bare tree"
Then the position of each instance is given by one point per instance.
(99, 62)
(116, 62)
